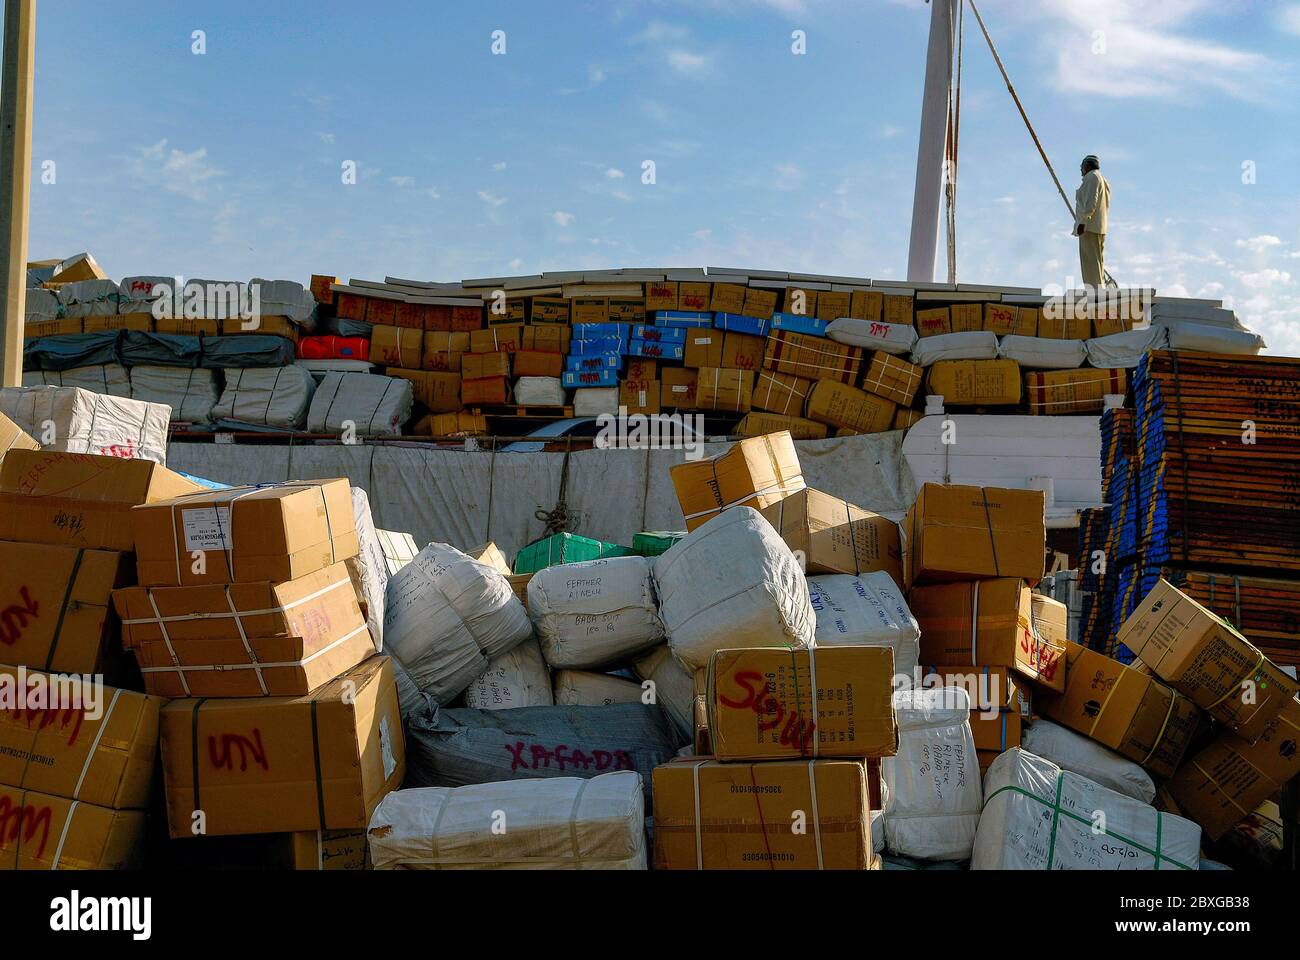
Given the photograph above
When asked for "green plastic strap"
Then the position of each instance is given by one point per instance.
(1056, 817)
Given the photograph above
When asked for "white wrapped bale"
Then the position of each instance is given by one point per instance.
(1213, 339)
(933, 803)
(1125, 349)
(583, 688)
(367, 404)
(732, 580)
(1040, 817)
(283, 298)
(369, 568)
(1041, 353)
(867, 610)
(89, 298)
(596, 613)
(85, 422)
(539, 391)
(518, 678)
(275, 397)
(895, 338)
(968, 345)
(593, 401)
(1088, 758)
(564, 823)
(674, 688)
(110, 379)
(138, 294)
(190, 392)
(446, 616)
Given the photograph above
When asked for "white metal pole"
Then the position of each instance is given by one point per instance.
(16, 74)
(930, 147)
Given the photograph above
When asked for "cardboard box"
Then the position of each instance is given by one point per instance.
(958, 532)
(627, 309)
(904, 418)
(867, 305)
(1124, 709)
(322, 287)
(143, 322)
(704, 348)
(439, 391)
(1059, 327)
(990, 687)
(996, 731)
(642, 368)
(755, 424)
(12, 437)
(507, 337)
(840, 405)
(898, 308)
(188, 326)
(79, 499)
(677, 388)
(738, 816)
(93, 744)
(280, 764)
(476, 366)
(722, 389)
(1231, 777)
(397, 347)
(245, 534)
(741, 351)
(1002, 635)
(892, 378)
(62, 326)
(1027, 321)
(834, 536)
(247, 639)
(44, 832)
(759, 303)
(965, 317)
(1051, 618)
(451, 424)
(490, 554)
(442, 350)
(508, 310)
(763, 706)
(548, 310)
(966, 383)
(266, 326)
(589, 310)
(552, 339)
(1206, 660)
(933, 322)
(832, 304)
(489, 390)
(410, 315)
(661, 295)
(755, 472)
(800, 301)
(535, 363)
(1081, 390)
(781, 393)
(639, 396)
(813, 358)
(327, 850)
(999, 318)
(726, 298)
(695, 296)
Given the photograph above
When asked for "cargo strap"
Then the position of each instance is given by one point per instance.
(194, 756)
(94, 746)
(699, 842)
(993, 543)
(315, 750)
(63, 608)
(1058, 812)
(257, 665)
(816, 817)
(1218, 787)
(853, 536)
(243, 638)
(1233, 688)
(573, 824)
(974, 621)
(1173, 698)
(171, 650)
(63, 835)
(265, 611)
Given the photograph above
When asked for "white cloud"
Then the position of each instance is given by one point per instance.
(402, 181)
(1288, 18)
(563, 218)
(1263, 279)
(499, 166)
(1260, 243)
(187, 174)
(432, 193)
(657, 31)
(516, 264)
(613, 173)
(491, 198)
(889, 132)
(788, 176)
(685, 62)
(326, 137)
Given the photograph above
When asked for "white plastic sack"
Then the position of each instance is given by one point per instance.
(895, 338)
(562, 823)
(40, 304)
(190, 392)
(1125, 349)
(110, 379)
(970, 345)
(137, 294)
(1088, 758)
(284, 298)
(934, 800)
(593, 401)
(446, 616)
(89, 298)
(673, 685)
(583, 688)
(1040, 817)
(539, 391)
(366, 403)
(867, 610)
(1040, 353)
(275, 397)
(86, 422)
(518, 678)
(369, 568)
(596, 613)
(732, 581)
(1213, 339)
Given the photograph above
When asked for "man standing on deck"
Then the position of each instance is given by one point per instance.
(1091, 204)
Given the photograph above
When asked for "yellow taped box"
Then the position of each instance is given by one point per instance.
(781, 393)
(1204, 658)
(245, 639)
(1120, 708)
(43, 832)
(396, 347)
(957, 532)
(13, 437)
(756, 424)
(989, 623)
(892, 378)
(966, 383)
(84, 741)
(284, 764)
(437, 390)
(1071, 391)
(443, 350)
(737, 816)
(933, 322)
(639, 396)
(755, 472)
(840, 405)
(720, 388)
(835, 536)
(813, 358)
(245, 534)
(775, 704)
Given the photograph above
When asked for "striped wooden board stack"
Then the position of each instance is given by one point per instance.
(1266, 610)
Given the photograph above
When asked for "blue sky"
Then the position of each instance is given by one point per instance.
(228, 164)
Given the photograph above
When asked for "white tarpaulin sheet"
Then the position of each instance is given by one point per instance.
(467, 498)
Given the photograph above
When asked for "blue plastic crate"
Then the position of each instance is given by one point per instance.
(798, 323)
(599, 361)
(662, 351)
(572, 379)
(659, 334)
(739, 323)
(682, 318)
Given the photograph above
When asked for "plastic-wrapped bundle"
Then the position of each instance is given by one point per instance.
(673, 685)
(266, 397)
(367, 403)
(71, 350)
(462, 746)
(970, 345)
(895, 338)
(933, 806)
(867, 610)
(593, 401)
(137, 347)
(1040, 353)
(1088, 758)
(369, 568)
(539, 391)
(732, 578)
(596, 613)
(89, 298)
(1208, 338)
(247, 350)
(86, 422)
(1124, 349)
(583, 688)
(110, 379)
(189, 392)
(447, 615)
(517, 678)
(40, 304)
(139, 294)
(1040, 817)
(284, 298)
(566, 823)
